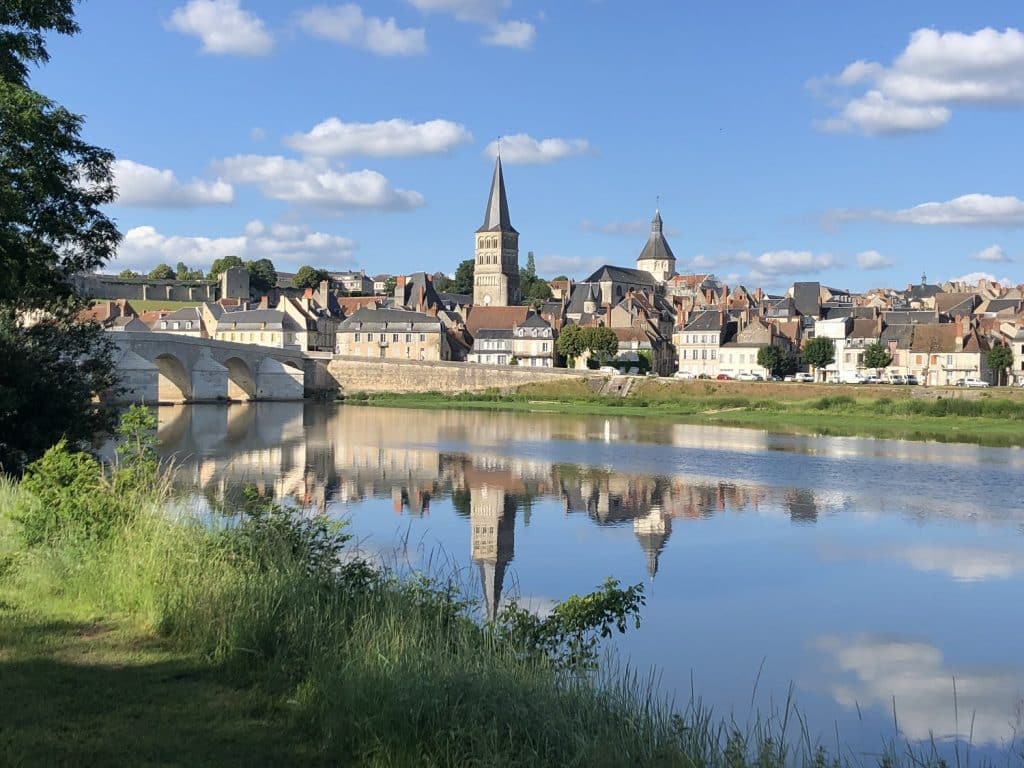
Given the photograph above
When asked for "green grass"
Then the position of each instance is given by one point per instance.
(147, 305)
(985, 420)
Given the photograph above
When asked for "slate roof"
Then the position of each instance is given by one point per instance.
(534, 321)
(709, 320)
(901, 333)
(1001, 305)
(496, 218)
(909, 317)
(580, 293)
(389, 319)
(413, 284)
(807, 298)
(864, 328)
(256, 320)
(956, 303)
(493, 333)
(620, 275)
(657, 246)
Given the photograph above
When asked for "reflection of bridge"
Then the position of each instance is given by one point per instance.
(170, 368)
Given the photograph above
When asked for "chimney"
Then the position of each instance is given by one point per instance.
(608, 315)
(264, 302)
(423, 297)
(400, 291)
(759, 295)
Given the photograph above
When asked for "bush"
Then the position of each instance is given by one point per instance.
(64, 497)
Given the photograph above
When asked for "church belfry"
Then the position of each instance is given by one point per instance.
(657, 258)
(496, 271)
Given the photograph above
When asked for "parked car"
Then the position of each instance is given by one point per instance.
(972, 381)
(608, 369)
(724, 377)
(872, 380)
(804, 377)
(911, 379)
(773, 377)
(897, 378)
(686, 375)
(853, 378)
(748, 377)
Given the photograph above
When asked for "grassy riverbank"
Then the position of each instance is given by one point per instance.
(995, 419)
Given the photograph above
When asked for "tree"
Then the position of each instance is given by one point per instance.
(601, 342)
(309, 277)
(877, 356)
(223, 264)
(161, 272)
(570, 343)
(559, 277)
(391, 282)
(53, 186)
(787, 364)
(128, 273)
(262, 275)
(537, 292)
(769, 358)
(819, 352)
(463, 282)
(999, 359)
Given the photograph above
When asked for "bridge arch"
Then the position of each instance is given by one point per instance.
(174, 384)
(241, 381)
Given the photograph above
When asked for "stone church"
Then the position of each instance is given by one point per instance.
(496, 272)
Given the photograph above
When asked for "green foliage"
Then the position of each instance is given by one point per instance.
(182, 272)
(309, 277)
(569, 636)
(463, 282)
(223, 264)
(262, 275)
(877, 356)
(999, 359)
(534, 289)
(162, 272)
(391, 282)
(570, 342)
(53, 189)
(601, 342)
(136, 448)
(769, 358)
(128, 274)
(819, 352)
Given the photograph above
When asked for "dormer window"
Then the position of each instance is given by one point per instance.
(163, 325)
(188, 325)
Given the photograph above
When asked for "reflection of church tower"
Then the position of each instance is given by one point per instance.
(492, 518)
(652, 531)
(657, 258)
(496, 268)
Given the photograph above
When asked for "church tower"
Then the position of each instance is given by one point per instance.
(657, 258)
(496, 272)
(492, 519)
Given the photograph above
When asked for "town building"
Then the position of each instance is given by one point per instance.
(700, 340)
(393, 334)
(496, 272)
(533, 343)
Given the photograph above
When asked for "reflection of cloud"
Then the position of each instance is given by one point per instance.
(915, 675)
(963, 563)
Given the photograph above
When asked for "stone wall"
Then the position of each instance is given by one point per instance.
(356, 374)
(139, 288)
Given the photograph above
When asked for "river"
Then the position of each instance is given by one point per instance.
(871, 578)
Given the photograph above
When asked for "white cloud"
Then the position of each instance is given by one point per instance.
(967, 210)
(257, 133)
(463, 10)
(994, 253)
(574, 266)
(935, 71)
(316, 183)
(288, 246)
(145, 186)
(872, 260)
(223, 27)
(914, 678)
(874, 113)
(347, 25)
(395, 137)
(633, 227)
(965, 563)
(792, 262)
(522, 149)
(973, 278)
(511, 34)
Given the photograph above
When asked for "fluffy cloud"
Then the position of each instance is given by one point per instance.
(574, 266)
(994, 253)
(511, 34)
(935, 71)
(347, 25)
(633, 227)
(332, 137)
(965, 563)
(872, 260)
(522, 149)
(792, 262)
(316, 183)
(873, 671)
(223, 27)
(463, 10)
(145, 186)
(967, 210)
(288, 246)
(973, 278)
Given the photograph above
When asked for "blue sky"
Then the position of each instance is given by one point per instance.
(786, 140)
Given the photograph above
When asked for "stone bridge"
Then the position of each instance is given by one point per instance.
(171, 368)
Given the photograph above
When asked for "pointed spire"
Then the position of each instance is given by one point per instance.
(496, 218)
(656, 221)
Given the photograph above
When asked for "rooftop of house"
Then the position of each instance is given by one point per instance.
(493, 333)
(935, 337)
(494, 317)
(389, 319)
(611, 273)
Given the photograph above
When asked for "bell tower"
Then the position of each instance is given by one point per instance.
(496, 271)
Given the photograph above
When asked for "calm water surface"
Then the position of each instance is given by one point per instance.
(871, 575)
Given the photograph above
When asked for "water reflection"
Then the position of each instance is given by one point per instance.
(755, 546)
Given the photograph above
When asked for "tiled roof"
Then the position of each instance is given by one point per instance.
(807, 298)
(389, 319)
(864, 329)
(494, 317)
(620, 275)
(935, 337)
